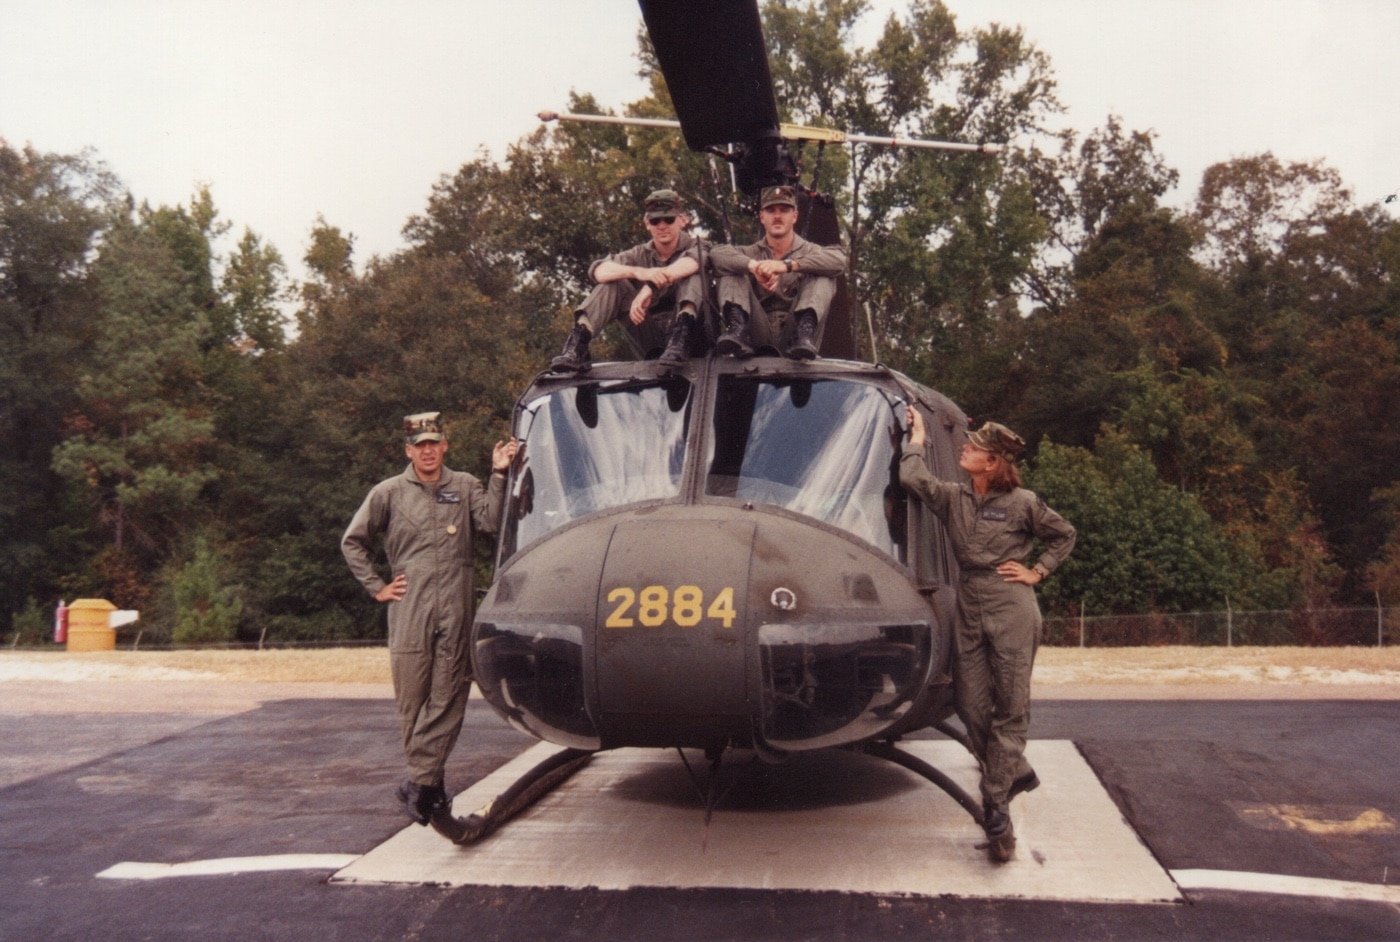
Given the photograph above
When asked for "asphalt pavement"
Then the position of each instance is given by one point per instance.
(1277, 789)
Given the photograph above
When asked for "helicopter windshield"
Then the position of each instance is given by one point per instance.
(827, 449)
(591, 447)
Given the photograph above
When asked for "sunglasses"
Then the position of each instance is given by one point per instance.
(658, 220)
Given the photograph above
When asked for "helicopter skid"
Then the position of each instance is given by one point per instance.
(892, 753)
(528, 789)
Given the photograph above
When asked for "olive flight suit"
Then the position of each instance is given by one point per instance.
(428, 531)
(612, 300)
(812, 287)
(997, 624)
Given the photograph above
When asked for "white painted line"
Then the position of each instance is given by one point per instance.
(1282, 885)
(132, 870)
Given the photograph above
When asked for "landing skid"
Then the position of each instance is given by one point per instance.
(889, 752)
(555, 770)
(528, 789)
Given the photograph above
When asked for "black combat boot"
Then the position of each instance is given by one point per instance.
(409, 794)
(574, 358)
(736, 341)
(1001, 837)
(421, 802)
(432, 799)
(804, 336)
(678, 343)
(1026, 783)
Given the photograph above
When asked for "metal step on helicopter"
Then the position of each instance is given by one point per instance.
(718, 556)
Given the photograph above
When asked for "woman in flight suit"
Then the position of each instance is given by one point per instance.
(992, 522)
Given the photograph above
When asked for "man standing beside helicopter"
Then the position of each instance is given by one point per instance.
(992, 524)
(428, 516)
(660, 274)
(759, 285)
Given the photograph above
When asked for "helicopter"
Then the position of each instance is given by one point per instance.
(718, 555)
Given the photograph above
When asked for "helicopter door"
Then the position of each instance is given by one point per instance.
(670, 646)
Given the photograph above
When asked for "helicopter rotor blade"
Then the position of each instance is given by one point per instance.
(548, 116)
(788, 132)
(799, 132)
(715, 62)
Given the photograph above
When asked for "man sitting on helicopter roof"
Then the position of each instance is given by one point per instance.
(648, 280)
(781, 275)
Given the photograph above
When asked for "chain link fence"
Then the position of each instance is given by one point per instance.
(1375, 627)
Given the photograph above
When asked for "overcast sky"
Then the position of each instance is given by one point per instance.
(352, 109)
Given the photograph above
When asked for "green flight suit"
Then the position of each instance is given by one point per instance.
(612, 300)
(428, 531)
(812, 287)
(997, 623)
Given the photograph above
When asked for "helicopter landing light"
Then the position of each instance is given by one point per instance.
(784, 599)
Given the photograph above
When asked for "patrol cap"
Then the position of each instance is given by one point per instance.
(422, 427)
(998, 439)
(778, 196)
(662, 203)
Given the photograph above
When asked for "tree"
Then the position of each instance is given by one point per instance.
(1383, 573)
(1310, 316)
(138, 437)
(53, 210)
(251, 294)
(207, 606)
(1143, 544)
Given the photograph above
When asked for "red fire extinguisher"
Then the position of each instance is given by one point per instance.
(60, 623)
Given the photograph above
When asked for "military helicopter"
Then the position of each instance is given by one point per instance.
(718, 556)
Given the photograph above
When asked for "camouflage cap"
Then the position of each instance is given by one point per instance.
(778, 196)
(998, 439)
(662, 203)
(423, 427)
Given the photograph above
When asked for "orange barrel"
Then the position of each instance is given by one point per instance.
(88, 629)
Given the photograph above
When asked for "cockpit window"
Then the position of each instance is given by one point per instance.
(591, 447)
(825, 448)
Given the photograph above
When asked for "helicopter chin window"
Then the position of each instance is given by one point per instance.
(533, 675)
(597, 446)
(822, 448)
(825, 685)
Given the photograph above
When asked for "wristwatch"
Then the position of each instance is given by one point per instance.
(1044, 573)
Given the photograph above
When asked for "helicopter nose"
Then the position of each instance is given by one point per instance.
(704, 628)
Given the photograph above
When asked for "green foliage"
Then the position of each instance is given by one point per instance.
(1143, 545)
(53, 210)
(248, 312)
(31, 625)
(1383, 573)
(138, 435)
(207, 606)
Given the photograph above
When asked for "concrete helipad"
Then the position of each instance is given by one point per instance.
(828, 821)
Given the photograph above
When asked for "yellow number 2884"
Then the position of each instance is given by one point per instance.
(655, 605)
